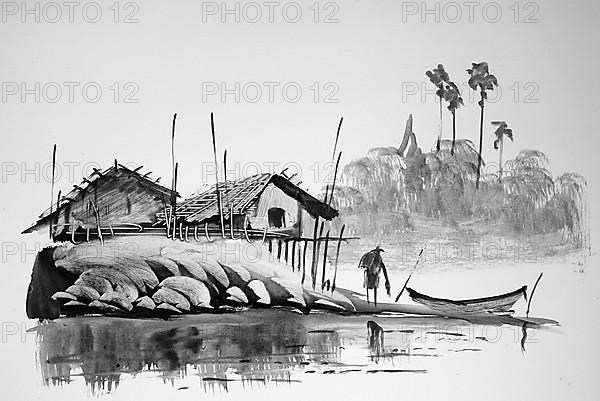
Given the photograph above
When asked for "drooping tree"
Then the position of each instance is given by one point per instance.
(439, 77)
(527, 187)
(452, 96)
(453, 176)
(571, 204)
(501, 132)
(481, 79)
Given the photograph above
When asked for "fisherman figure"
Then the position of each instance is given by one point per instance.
(372, 264)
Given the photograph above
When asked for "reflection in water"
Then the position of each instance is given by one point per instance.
(215, 349)
(376, 345)
(253, 348)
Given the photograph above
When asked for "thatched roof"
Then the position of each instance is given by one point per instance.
(96, 178)
(242, 195)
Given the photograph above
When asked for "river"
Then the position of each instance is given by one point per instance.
(279, 354)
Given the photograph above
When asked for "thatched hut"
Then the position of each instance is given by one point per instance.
(264, 201)
(115, 200)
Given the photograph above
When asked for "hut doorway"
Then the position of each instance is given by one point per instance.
(276, 217)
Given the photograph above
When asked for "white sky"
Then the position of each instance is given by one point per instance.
(370, 55)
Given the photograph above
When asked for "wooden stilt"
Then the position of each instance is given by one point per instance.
(73, 235)
(315, 265)
(173, 198)
(304, 261)
(57, 213)
(324, 260)
(97, 213)
(246, 227)
(278, 250)
(314, 253)
(337, 255)
(175, 201)
(206, 233)
(293, 254)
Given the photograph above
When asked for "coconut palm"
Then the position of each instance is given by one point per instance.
(481, 80)
(452, 96)
(439, 77)
(501, 132)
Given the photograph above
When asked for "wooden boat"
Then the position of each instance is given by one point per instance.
(495, 304)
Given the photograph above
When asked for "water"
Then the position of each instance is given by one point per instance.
(277, 353)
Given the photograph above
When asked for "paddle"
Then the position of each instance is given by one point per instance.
(410, 275)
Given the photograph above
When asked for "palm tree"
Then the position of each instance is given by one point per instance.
(452, 96)
(438, 77)
(481, 79)
(501, 132)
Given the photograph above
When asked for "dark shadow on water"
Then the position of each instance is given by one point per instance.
(256, 350)
(251, 349)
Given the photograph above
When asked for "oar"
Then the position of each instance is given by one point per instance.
(532, 291)
(410, 275)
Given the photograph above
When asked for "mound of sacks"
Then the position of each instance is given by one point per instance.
(164, 276)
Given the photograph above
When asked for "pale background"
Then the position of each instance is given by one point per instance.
(370, 54)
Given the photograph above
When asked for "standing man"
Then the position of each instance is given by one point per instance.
(372, 264)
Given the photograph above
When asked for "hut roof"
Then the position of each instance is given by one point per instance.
(94, 179)
(241, 195)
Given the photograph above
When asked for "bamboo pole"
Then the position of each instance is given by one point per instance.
(337, 136)
(335, 144)
(324, 260)
(57, 206)
(314, 251)
(52, 189)
(173, 199)
(225, 195)
(299, 265)
(337, 163)
(278, 250)
(337, 255)
(98, 226)
(167, 218)
(304, 261)
(293, 253)
(219, 204)
(231, 220)
(173, 154)
(532, 292)
(315, 263)
(174, 206)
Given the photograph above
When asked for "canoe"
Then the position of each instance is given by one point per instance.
(495, 304)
